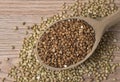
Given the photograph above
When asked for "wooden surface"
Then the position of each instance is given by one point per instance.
(14, 12)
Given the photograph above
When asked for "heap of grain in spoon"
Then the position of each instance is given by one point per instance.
(66, 42)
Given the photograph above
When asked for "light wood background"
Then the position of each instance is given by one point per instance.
(14, 12)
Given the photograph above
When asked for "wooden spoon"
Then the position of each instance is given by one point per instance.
(100, 26)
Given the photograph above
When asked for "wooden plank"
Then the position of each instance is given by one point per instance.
(14, 12)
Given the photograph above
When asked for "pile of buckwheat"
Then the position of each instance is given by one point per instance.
(98, 67)
(66, 42)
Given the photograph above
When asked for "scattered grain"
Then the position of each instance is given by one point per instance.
(28, 27)
(13, 47)
(16, 28)
(114, 40)
(3, 80)
(7, 59)
(24, 23)
(114, 79)
(29, 68)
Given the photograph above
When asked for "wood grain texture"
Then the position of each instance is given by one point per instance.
(14, 12)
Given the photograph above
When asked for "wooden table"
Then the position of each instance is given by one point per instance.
(14, 12)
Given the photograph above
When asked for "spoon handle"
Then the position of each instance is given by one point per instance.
(111, 20)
